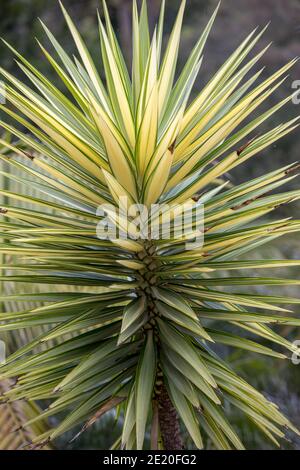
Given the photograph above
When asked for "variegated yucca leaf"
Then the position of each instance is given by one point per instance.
(14, 415)
(136, 323)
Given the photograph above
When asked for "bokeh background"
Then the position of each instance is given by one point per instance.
(19, 25)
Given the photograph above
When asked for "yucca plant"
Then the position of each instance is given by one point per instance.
(144, 314)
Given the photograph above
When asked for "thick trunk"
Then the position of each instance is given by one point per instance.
(168, 422)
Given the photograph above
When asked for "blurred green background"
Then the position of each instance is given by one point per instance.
(19, 25)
